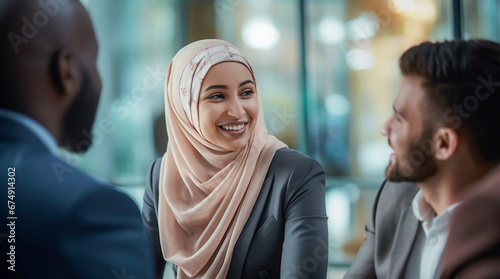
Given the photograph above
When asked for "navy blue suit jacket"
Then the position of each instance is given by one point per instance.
(68, 225)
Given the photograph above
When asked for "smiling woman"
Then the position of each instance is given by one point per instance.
(228, 107)
(227, 200)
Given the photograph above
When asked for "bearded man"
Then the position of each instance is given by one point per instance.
(445, 135)
(58, 221)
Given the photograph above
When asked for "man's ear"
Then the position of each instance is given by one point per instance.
(445, 143)
(66, 73)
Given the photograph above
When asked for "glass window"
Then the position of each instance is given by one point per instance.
(353, 75)
(481, 19)
(136, 39)
(327, 70)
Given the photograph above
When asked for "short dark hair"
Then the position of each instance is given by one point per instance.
(462, 82)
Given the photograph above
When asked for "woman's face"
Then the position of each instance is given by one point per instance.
(228, 105)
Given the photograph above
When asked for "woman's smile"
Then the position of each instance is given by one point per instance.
(234, 129)
(228, 106)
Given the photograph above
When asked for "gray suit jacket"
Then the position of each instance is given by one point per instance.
(286, 234)
(390, 234)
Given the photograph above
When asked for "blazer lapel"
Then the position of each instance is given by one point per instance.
(404, 239)
(241, 248)
(439, 268)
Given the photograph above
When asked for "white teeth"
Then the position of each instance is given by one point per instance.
(233, 128)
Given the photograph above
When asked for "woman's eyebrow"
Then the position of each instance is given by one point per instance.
(216, 87)
(246, 82)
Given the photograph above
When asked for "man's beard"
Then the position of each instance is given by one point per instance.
(78, 120)
(416, 165)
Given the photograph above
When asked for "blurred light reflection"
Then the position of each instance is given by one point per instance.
(260, 33)
(329, 31)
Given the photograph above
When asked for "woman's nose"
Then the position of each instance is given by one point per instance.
(235, 108)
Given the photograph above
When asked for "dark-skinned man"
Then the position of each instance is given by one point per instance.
(59, 222)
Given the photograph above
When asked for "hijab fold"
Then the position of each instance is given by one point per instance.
(206, 192)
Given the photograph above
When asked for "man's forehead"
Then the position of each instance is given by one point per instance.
(411, 88)
(411, 95)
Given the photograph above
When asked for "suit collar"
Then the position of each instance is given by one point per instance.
(242, 245)
(406, 234)
(16, 132)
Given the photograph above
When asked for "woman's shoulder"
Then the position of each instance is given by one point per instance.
(290, 160)
(292, 156)
(155, 166)
(293, 173)
(153, 178)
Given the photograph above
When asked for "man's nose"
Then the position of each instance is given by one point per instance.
(385, 129)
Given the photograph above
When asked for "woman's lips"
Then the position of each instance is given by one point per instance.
(234, 130)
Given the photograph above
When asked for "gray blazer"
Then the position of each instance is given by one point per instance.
(391, 231)
(286, 234)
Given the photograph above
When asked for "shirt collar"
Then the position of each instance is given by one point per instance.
(36, 128)
(425, 213)
(421, 209)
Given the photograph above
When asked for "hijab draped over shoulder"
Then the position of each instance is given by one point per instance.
(206, 192)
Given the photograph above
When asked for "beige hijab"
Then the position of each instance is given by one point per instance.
(206, 192)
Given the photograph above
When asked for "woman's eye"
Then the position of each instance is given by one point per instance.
(247, 93)
(216, 96)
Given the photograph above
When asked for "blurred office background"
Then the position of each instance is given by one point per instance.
(327, 71)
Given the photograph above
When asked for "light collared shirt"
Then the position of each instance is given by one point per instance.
(428, 248)
(36, 128)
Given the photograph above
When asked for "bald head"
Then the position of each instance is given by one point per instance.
(50, 50)
(32, 31)
(27, 23)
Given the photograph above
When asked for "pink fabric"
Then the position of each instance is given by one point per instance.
(206, 192)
